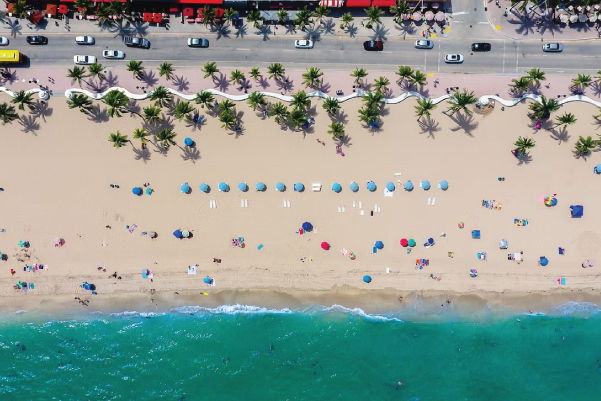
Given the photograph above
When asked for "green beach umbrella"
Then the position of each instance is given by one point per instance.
(411, 242)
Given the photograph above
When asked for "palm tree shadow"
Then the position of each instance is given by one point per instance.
(265, 30)
(384, 111)
(345, 140)
(15, 28)
(133, 106)
(150, 78)
(341, 116)
(263, 82)
(285, 84)
(464, 122)
(596, 88)
(329, 26)
(405, 29)
(351, 29)
(29, 124)
(97, 86)
(429, 126)
(221, 31)
(98, 115)
(561, 136)
(324, 87)
(181, 83)
(597, 122)
(380, 32)
(240, 32)
(111, 80)
(313, 33)
(42, 110)
(524, 159)
(290, 29)
(245, 85)
(222, 83)
(190, 153)
(13, 77)
(141, 154)
(525, 27)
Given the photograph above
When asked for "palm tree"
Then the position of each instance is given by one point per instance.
(166, 70)
(565, 119)
(237, 76)
(280, 111)
(182, 109)
(311, 77)
(404, 73)
(282, 16)
(300, 100)
(359, 74)
(84, 5)
(20, 9)
(520, 86)
(210, 68)
(256, 99)
(226, 105)
(584, 145)
(104, 14)
(401, 8)
(582, 81)
(331, 105)
(381, 84)
(7, 113)
(276, 71)
(118, 9)
(460, 101)
(536, 75)
(95, 70)
(373, 100)
(255, 73)
(229, 14)
(303, 18)
(297, 117)
(228, 118)
(524, 144)
(336, 130)
(321, 12)
(204, 98)
(424, 107)
(152, 114)
(77, 74)
(347, 18)
(373, 16)
(254, 16)
(118, 140)
(166, 136)
(136, 68)
(598, 76)
(141, 134)
(369, 115)
(419, 78)
(82, 102)
(116, 101)
(161, 96)
(23, 99)
(208, 15)
(543, 110)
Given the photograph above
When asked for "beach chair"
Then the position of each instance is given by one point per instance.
(316, 187)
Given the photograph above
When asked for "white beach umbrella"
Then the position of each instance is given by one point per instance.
(582, 18)
(564, 18)
(593, 17)
(573, 19)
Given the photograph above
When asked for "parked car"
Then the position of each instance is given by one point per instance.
(132, 41)
(113, 54)
(373, 45)
(198, 42)
(553, 47)
(303, 44)
(424, 44)
(84, 40)
(4, 41)
(85, 60)
(37, 40)
(453, 58)
(481, 47)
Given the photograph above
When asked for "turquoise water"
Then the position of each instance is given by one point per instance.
(249, 353)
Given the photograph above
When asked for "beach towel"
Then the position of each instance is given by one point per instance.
(132, 228)
(374, 250)
(260, 247)
(388, 193)
(343, 251)
(191, 270)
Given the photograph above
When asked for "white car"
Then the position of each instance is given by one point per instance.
(453, 58)
(113, 54)
(424, 44)
(553, 47)
(303, 44)
(85, 60)
(84, 40)
(4, 41)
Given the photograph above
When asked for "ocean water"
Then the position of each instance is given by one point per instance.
(317, 353)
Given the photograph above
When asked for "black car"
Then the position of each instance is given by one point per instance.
(481, 47)
(37, 40)
(373, 45)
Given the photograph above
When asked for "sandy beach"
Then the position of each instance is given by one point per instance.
(57, 180)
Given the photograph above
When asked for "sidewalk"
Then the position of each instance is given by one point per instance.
(519, 27)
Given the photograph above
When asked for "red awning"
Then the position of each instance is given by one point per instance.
(157, 18)
(147, 17)
(219, 12)
(358, 3)
(67, 1)
(10, 7)
(200, 1)
(63, 9)
(188, 12)
(174, 10)
(383, 3)
(51, 9)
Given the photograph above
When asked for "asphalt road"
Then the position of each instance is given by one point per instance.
(506, 57)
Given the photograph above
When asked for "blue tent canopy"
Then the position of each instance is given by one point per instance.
(577, 210)
(280, 187)
(444, 185)
(379, 244)
(354, 186)
(299, 187)
(544, 261)
(307, 226)
(426, 185)
(207, 280)
(224, 187)
(136, 191)
(390, 186)
(367, 279)
(260, 186)
(409, 186)
(185, 188)
(476, 234)
(336, 187)
(188, 141)
(203, 187)
(242, 186)
(178, 234)
(371, 186)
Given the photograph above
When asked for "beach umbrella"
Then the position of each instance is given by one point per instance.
(550, 201)
(242, 186)
(185, 188)
(260, 186)
(440, 16)
(299, 187)
(406, 17)
(325, 246)
(431, 241)
(152, 234)
(544, 261)
(336, 187)
(429, 15)
(188, 141)
(473, 273)
(426, 185)
(86, 286)
(564, 18)
(503, 244)
(280, 186)
(404, 242)
(136, 191)
(224, 187)
(573, 18)
(417, 16)
(367, 279)
(178, 234)
(390, 186)
(203, 187)
(307, 226)
(444, 185)
(582, 17)
(409, 186)
(207, 280)
(577, 210)
(597, 169)
(411, 242)
(371, 186)
(379, 244)
(145, 271)
(355, 186)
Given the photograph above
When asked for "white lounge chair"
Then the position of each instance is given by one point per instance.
(316, 187)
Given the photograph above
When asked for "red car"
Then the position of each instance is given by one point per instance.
(373, 45)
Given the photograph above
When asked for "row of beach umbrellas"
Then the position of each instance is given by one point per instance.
(429, 15)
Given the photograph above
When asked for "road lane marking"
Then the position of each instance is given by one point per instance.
(504, 43)
(461, 13)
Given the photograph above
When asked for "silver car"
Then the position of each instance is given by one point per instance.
(553, 47)
(4, 41)
(424, 44)
(113, 54)
(84, 40)
(453, 58)
(303, 44)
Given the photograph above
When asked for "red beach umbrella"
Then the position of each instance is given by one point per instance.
(404, 242)
(325, 246)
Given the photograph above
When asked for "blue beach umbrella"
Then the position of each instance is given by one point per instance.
(203, 187)
(431, 241)
(207, 280)
(224, 187)
(299, 187)
(371, 186)
(307, 226)
(242, 186)
(86, 286)
(136, 191)
(354, 186)
(426, 185)
(367, 279)
(409, 186)
(280, 186)
(598, 169)
(390, 186)
(544, 261)
(188, 141)
(178, 234)
(185, 188)
(260, 186)
(336, 187)
(379, 244)
(444, 185)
